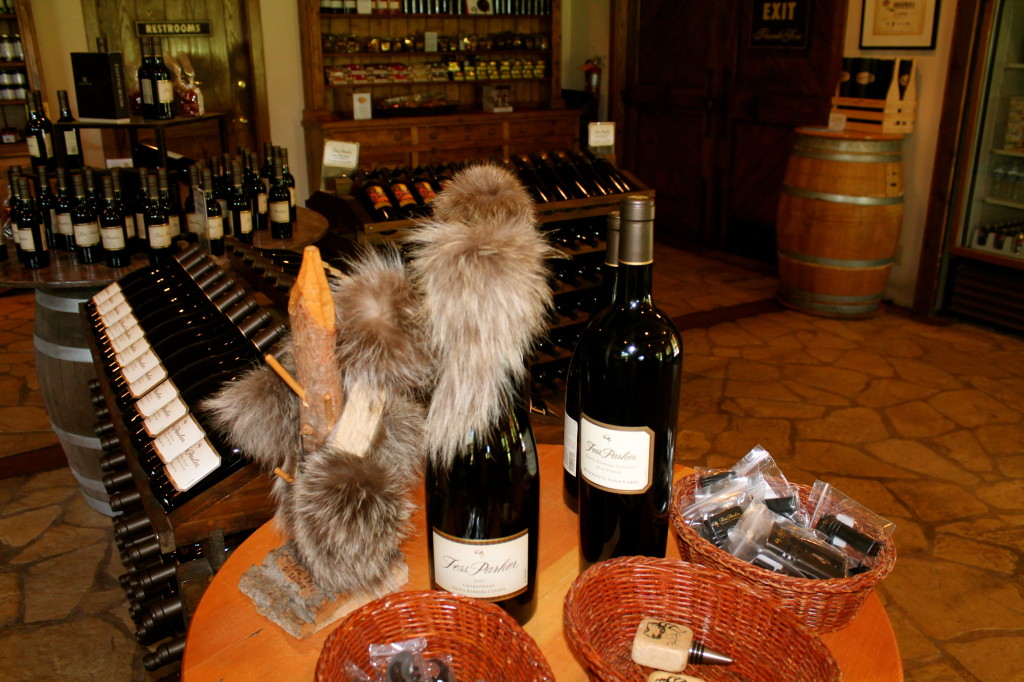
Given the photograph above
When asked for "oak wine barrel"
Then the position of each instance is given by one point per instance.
(839, 219)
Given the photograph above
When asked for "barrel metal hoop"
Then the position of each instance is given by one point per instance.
(835, 262)
(81, 441)
(850, 146)
(846, 158)
(59, 304)
(58, 352)
(831, 304)
(842, 198)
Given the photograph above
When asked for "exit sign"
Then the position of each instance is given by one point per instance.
(780, 23)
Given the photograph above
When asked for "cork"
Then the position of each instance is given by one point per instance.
(662, 645)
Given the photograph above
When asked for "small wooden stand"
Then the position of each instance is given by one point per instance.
(894, 114)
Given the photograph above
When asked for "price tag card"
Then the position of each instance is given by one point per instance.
(601, 135)
(340, 159)
(430, 41)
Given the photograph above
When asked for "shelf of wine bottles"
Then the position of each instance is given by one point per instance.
(383, 203)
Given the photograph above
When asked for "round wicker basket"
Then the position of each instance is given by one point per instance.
(484, 642)
(605, 604)
(822, 605)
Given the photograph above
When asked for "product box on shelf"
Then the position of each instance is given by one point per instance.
(876, 96)
(100, 86)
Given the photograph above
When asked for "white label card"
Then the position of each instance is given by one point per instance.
(341, 154)
(601, 135)
(192, 466)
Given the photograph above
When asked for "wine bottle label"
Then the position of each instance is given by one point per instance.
(121, 341)
(70, 142)
(165, 91)
(50, 215)
(402, 194)
(279, 212)
(427, 192)
(193, 222)
(112, 238)
(140, 224)
(87, 234)
(129, 226)
(25, 240)
(120, 328)
(106, 292)
(215, 227)
(168, 414)
(145, 383)
(493, 570)
(150, 404)
(146, 88)
(261, 203)
(48, 145)
(616, 459)
(192, 466)
(33, 145)
(115, 314)
(570, 430)
(244, 222)
(177, 438)
(106, 301)
(291, 196)
(377, 196)
(64, 225)
(159, 235)
(132, 352)
(135, 369)
(174, 220)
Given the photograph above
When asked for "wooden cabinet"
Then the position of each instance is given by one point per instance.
(386, 56)
(19, 73)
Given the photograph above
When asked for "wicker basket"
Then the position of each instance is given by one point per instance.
(605, 604)
(484, 642)
(822, 605)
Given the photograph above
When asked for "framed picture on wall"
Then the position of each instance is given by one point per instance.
(899, 24)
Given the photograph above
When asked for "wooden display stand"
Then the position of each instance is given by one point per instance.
(893, 115)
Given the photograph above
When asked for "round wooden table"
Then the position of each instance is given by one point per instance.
(229, 640)
(63, 361)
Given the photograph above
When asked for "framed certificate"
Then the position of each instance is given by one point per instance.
(899, 24)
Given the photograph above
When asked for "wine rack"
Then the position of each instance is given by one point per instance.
(170, 556)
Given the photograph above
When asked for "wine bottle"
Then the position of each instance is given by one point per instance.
(587, 170)
(64, 234)
(165, 654)
(604, 168)
(289, 181)
(423, 186)
(630, 369)
(240, 206)
(186, 262)
(278, 198)
(552, 183)
(568, 170)
(570, 432)
(214, 220)
(482, 517)
(192, 223)
(158, 225)
(220, 189)
(163, 84)
(84, 225)
(169, 205)
(145, 78)
(70, 138)
(138, 206)
(39, 135)
(559, 176)
(534, 184)
(130, 291)
(127, 215)
(266, 172)
(374, 197)
(35, 252)
(257, 190)
(113, 234)
(401, 195)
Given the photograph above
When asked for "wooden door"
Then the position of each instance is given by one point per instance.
(228, 62)
(709, 116)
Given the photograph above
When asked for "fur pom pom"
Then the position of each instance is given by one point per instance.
(380, 336)
(348, 515)
(481, 194)
(485, 296)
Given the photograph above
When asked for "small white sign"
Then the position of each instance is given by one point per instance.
(836, 121)
(430, 41)
(362, 106)
(601, 135)
(338, 154)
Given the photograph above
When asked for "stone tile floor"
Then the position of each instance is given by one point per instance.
(921, 422)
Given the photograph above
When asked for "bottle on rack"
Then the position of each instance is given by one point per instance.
(401, 195)
(46, 202)
(158, 225)
(568, 170)
(144, 75)
(165, 654)
(182, 265)
(64, 236)
(85, 226)
(255, 188)
(70, 138)
(373, 196)
(39, 134)
(240, 205)
(535, 185)
(485, 508)
(630, 367)
(127, 215)
(113, 233)
(219, 187)
(138, 207)
(267, 169)
(214, 218)
(608, 172)
(162, 85)
(278, 199)
(289, 181)
(558, 176)
(168, 204)
(570, 431)
(92, 192)
(192, 221)
(35, 252)
(423, 186)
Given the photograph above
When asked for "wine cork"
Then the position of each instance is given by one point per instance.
(662, 645)
(662, 676)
